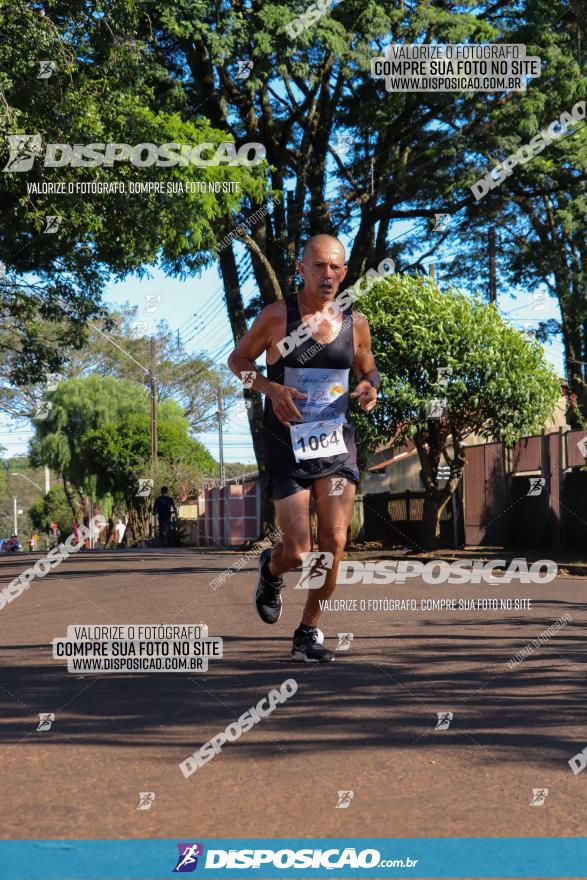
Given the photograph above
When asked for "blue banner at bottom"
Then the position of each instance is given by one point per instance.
(533, 857)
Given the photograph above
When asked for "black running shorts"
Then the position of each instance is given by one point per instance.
(282, 485)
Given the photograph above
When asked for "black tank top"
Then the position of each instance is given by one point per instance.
(322, 371)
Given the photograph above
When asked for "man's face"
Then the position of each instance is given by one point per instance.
(323, 270)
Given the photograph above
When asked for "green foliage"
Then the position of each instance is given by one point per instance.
(131, 71)
(191, 379)
(122, 408)
(237, 469)
(80, 405)
(119, 452)
(109, 86)
(500, 385)
(53, 507)
(27, 487)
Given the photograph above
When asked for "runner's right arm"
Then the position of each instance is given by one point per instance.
(256, 340)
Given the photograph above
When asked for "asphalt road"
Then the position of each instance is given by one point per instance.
(365, 723)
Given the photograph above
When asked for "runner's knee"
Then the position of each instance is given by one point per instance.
(332, 540)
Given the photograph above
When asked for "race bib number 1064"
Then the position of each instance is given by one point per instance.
(317, 439)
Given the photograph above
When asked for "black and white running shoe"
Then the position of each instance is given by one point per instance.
(268, 591)
(307, 646)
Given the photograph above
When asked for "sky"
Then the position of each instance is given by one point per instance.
(195, 309)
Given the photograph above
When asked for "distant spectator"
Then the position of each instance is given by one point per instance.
(164, 507)
(120, 529)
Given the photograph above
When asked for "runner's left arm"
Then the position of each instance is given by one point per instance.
(364, 365)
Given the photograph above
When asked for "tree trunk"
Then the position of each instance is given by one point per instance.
(430, 523)
(138, 521)
(434, 505)
(431, 447)
(236, 314)
(69, 494)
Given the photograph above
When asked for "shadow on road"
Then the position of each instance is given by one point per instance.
(383, 693)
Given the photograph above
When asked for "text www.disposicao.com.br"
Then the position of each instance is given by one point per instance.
(134, 664)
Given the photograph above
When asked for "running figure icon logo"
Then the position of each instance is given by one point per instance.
(441, 222)
(52, 223)
(435, 408)
(244, 69)
(23, 149)
(152, 303)
(337, 485)
(42, 408)
(444, 719)
(315, 567)
(145, 486)
(539, 796)
(46, 69)
(536, 485)
(46, 719)
(146, 799)
(188, 857)
(344, 641)
(344, 799)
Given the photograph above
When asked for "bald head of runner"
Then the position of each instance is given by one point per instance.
(322, 267)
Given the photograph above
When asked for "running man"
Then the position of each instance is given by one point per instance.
(308, 433)
(164, 507)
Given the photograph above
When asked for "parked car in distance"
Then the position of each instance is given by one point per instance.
(10, 545)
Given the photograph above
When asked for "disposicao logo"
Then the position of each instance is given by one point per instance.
(329, 859)
(24, 148)
(188, 857)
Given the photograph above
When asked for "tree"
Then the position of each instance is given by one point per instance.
(119, 454)
(108, 86)
(190, 379)
(81, 405)
(114, 348)
(497, 383)
(52, 508)
(410, 155)
(153, 67)
(27, 487)
(538, 212)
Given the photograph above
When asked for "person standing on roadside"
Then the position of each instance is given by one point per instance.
(164, 508)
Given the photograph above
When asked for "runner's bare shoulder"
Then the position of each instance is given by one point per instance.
(274, 320)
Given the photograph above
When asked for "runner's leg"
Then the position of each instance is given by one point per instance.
(293, 518)
(334, 515)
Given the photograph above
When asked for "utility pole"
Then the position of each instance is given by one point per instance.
(153, 380)
(492, 282)
(220, 438)
(431, 270)
(14, 515)
(47, 479)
